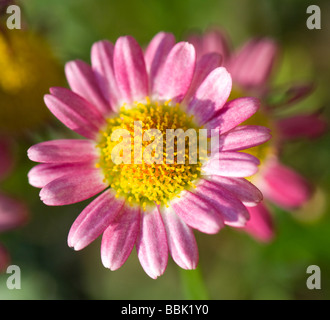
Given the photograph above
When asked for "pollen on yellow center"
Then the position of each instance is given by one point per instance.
(147, 181)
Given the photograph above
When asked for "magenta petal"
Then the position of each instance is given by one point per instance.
(204, 66)
(119, 238)
(231, 164)
(102, 64)
(241, 188)
(44, 173)
(181, 240)
(233, 212)
(252, 66)
(176, 74)
(284, 186)
(63, 151)
(130, 70)
(293, 94)
(233, 113)
(156, 54)
(197, 212)
(215, 40)
(82, 81)
(244, 137)
(196, 40)
(211, 95)
(73, 188)
(13, 213)
(75, 112)
(302, 126)
(6, 157)
(151, 244)
(260, 225)
(94, 219)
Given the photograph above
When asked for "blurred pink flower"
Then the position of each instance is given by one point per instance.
(13, 212)
(154, 207)
(251, 67)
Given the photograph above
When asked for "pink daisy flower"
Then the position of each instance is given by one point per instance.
(152, 206)
(13, 213)
(251, 68)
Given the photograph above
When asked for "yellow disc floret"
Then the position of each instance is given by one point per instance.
(149, 170)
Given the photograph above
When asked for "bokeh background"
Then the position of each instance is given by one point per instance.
(232, 264)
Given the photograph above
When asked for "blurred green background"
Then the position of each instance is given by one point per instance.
(233, 265)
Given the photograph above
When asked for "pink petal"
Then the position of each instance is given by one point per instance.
(211, 95)
(102, 65)
(156, 54)
(75, 112)
(181, 240)
(130, 70)
(284, 96)
(13, 213)
(177, 73)
(44, 173)
(252, 66)
(73, 188)
(302, 126)
(62, 151)
(6, 157)
(260, 225)
(244, 137)
(197, 212)
(298, 92)
(82, 81)
(232, 164)
(94, 219)
(151, 244)
(215, 40)
(233, 113)
(204, 66)
(233, 212)
(284, 186)
(119, 238)
(197, 41)
(241, 188)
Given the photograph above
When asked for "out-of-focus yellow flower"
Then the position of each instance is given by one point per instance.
(28, 68)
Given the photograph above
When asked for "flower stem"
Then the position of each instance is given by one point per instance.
(193, 284)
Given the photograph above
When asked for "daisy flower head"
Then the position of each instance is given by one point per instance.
(251, 67)
(144, 116)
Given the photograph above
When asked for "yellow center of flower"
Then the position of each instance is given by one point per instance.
(28, 69)
(139, 159)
